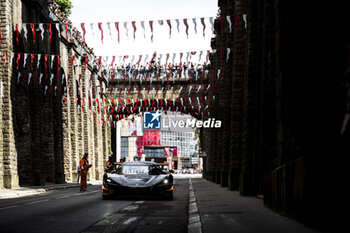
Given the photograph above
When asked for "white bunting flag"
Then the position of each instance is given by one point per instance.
(29, 77)
(52, 58)
(41, 27)
(92, 28)
(38, 62)
(200, 56)
(229, 22)
(51, 78)
(25, 31)
(174, 55)
(195, 24)
(7, 31)
(188, 55)
(146, 57)
(143, 27)
(109, 28)
(177, 25)
(132, 60)
(211, 20)
(126, 29)
(11, 59)
(228, 54)
(25, 60)
(57, 25)
(245, 20)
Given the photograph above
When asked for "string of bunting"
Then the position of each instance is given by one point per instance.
(34, 60)
(114, 28)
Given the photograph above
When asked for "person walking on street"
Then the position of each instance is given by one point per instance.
(84, 167)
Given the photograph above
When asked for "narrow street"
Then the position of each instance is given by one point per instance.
(212, 208)
(69, 210)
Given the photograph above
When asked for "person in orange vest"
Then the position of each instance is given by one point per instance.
(109, 164)
(84, 167)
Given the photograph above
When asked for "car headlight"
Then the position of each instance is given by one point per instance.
(166, 181)
(109, 180)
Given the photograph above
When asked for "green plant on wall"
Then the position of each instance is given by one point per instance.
(66, 6)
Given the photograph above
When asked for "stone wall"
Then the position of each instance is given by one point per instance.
(287, 108)
(44, 130)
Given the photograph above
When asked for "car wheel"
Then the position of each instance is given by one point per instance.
(105, 197)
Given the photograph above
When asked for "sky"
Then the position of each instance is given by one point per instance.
(93, 11)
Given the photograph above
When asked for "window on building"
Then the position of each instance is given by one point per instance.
(124, 146)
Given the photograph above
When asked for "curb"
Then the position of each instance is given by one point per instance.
(20, 193)
(194, 219)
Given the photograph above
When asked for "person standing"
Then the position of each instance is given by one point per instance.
(109, 164)
(84, 167)
(78, 173)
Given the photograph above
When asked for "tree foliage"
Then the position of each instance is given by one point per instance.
(66, 6)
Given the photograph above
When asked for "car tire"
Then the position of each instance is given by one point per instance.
(168, 195)
(105, 197)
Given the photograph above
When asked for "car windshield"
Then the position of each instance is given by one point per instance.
(134, 170)
(139, 169)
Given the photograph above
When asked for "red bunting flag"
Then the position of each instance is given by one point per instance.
(66, 30)
(203, 23)
(117, 27)
(138, 62)
(167, 57)
(207, 58)
(58, 62)
(5, 56)
(151, 26)
(112, 63)
(169, 23)
(84, 31)
(17, 61)
(221, 54)
(154, 56)
(221, 25)
(186, 24)
(99, 62)
(134, 26)
(86, 61)
(17, 33)
(125, 57)
(181, 54)
(237, 22)
(50, 32)
(100, 27)
(31, 61)
(72, 63)
(32, 27)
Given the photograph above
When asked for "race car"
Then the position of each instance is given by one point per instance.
(138, 179)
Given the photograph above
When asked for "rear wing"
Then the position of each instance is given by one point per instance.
(163, 164)
(160, 164)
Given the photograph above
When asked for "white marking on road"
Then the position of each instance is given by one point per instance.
(8, 207)
(34, 202)
(131, 207)
(78, 194)
(65, 196)
(130, 220)
(139, 202)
